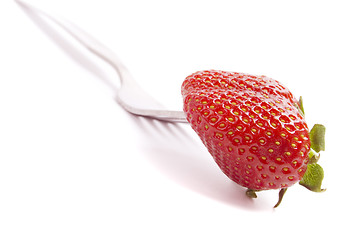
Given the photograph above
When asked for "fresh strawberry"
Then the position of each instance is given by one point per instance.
(252, 126)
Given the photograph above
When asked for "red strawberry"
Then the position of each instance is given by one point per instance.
(252, 126)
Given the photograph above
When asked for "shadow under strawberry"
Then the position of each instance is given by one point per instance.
(175, 151)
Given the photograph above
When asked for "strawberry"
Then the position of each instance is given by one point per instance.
(252, 126)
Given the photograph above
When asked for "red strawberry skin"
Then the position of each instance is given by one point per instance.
(251, 126)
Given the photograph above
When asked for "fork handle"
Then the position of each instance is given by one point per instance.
(97, 48)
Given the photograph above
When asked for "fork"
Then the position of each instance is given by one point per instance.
(130, 95)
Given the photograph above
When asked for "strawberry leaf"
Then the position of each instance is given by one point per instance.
(317, 137)
(281, 195)
(301, 106)
(313, 178)
(251, 193)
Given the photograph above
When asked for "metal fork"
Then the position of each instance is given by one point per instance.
(130, 95)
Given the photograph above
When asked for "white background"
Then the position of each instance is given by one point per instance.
(75, 165)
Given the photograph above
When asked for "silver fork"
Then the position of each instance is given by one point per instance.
(130, 95)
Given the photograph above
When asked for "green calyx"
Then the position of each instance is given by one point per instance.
(301, 106)
(314, 174)
(251, 193)
(313, 156)
(317, 138)
(313, 178)
(281, 195)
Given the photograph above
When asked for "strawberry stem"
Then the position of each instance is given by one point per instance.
(301, 106)
(281, 195)
(313, 156)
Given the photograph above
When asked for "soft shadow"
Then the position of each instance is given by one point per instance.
(173, 150)
(66, 46)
